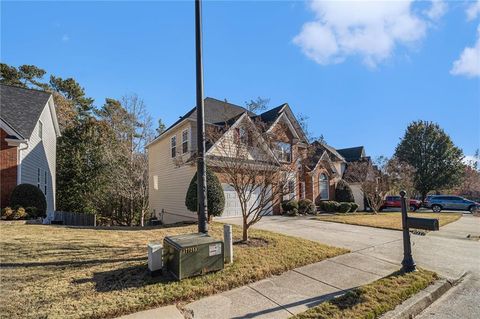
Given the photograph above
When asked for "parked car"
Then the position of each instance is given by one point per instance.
(439, 202)
(394, 202)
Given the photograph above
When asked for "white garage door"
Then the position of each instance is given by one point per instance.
(232, 204)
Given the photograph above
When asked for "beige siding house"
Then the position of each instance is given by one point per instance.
(172, 164)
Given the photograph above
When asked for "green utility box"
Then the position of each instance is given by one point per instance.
(192, 255)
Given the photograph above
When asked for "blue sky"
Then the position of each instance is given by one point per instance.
(360, 71)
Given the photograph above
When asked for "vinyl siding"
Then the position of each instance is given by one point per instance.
(172, 180)
(41, 154)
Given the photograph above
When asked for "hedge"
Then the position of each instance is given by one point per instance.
(306, 206)
(290, 207)
(344, 207)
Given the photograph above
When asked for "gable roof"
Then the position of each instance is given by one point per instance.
(271, 116)
(223, 113)
(352, 154)
(21, 108)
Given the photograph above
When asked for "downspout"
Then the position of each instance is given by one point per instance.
(19, 161)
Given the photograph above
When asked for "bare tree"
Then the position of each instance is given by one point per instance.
(127, 200)
(243, 155)
(401, 176)
(259, 104)
(372, 180)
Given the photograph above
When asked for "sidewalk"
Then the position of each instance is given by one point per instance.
(288, 294)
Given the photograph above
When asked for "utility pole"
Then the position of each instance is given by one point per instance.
(201, 167)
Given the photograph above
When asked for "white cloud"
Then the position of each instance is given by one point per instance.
(437, 9)
(473, 10)
(369, 29)
(469, 62)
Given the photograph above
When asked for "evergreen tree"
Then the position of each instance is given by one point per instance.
(430, 151)
(215, 195)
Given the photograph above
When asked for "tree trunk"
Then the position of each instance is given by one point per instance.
(245, 231)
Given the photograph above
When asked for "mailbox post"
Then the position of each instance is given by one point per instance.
(408, 264)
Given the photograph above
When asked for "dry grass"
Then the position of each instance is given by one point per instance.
(61, 272)
(374, 299)
(387, 220)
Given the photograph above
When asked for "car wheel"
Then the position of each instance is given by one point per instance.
(436, 208)
(413, 208)
(472, 209)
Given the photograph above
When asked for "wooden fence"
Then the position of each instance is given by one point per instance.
(75, 219)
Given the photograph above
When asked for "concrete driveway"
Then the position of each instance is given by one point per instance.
(448, 251)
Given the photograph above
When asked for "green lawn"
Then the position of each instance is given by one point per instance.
(62, 272)
(372, 300)
(386, 220)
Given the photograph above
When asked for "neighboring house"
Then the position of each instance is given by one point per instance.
(171, 160)
(29, 131)
(352, 155)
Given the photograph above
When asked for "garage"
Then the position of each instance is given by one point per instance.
(232, 204)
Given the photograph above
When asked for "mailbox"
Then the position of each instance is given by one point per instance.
(192, 254)
(422, 223)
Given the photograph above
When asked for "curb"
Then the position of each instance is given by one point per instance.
(422, 300)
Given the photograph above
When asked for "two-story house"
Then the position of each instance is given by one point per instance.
(28, 139)
(171, 159)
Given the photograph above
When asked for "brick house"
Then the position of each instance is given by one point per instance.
(28, 132)
(317, 166)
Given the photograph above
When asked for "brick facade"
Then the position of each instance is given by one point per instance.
(8, 165)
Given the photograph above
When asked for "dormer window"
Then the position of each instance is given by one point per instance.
(283, 151)
(40, 129)
(185, 141)
(173, 145)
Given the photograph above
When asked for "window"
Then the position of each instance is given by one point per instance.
(283, 151)
(243, 136)
(155, 182)
(323, 186)
(185, 141)
(173, 144)
(38, 177)
(40, 129)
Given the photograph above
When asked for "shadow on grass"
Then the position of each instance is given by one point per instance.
(73, 263)
(130, 277)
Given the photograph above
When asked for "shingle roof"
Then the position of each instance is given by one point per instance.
(352, 154)
(271, 115)
(21, 108)
(216, 112)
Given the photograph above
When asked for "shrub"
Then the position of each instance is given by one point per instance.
(215, 195)
(354, 207)
(20, 213)
(7, 213)
(290, 207)
(329, 206)
(344, 207)
(306, 206)
(13, 214)
(32, 211)
(343, 192)
(28, 195)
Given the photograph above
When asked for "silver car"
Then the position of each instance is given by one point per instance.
(449, 202)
